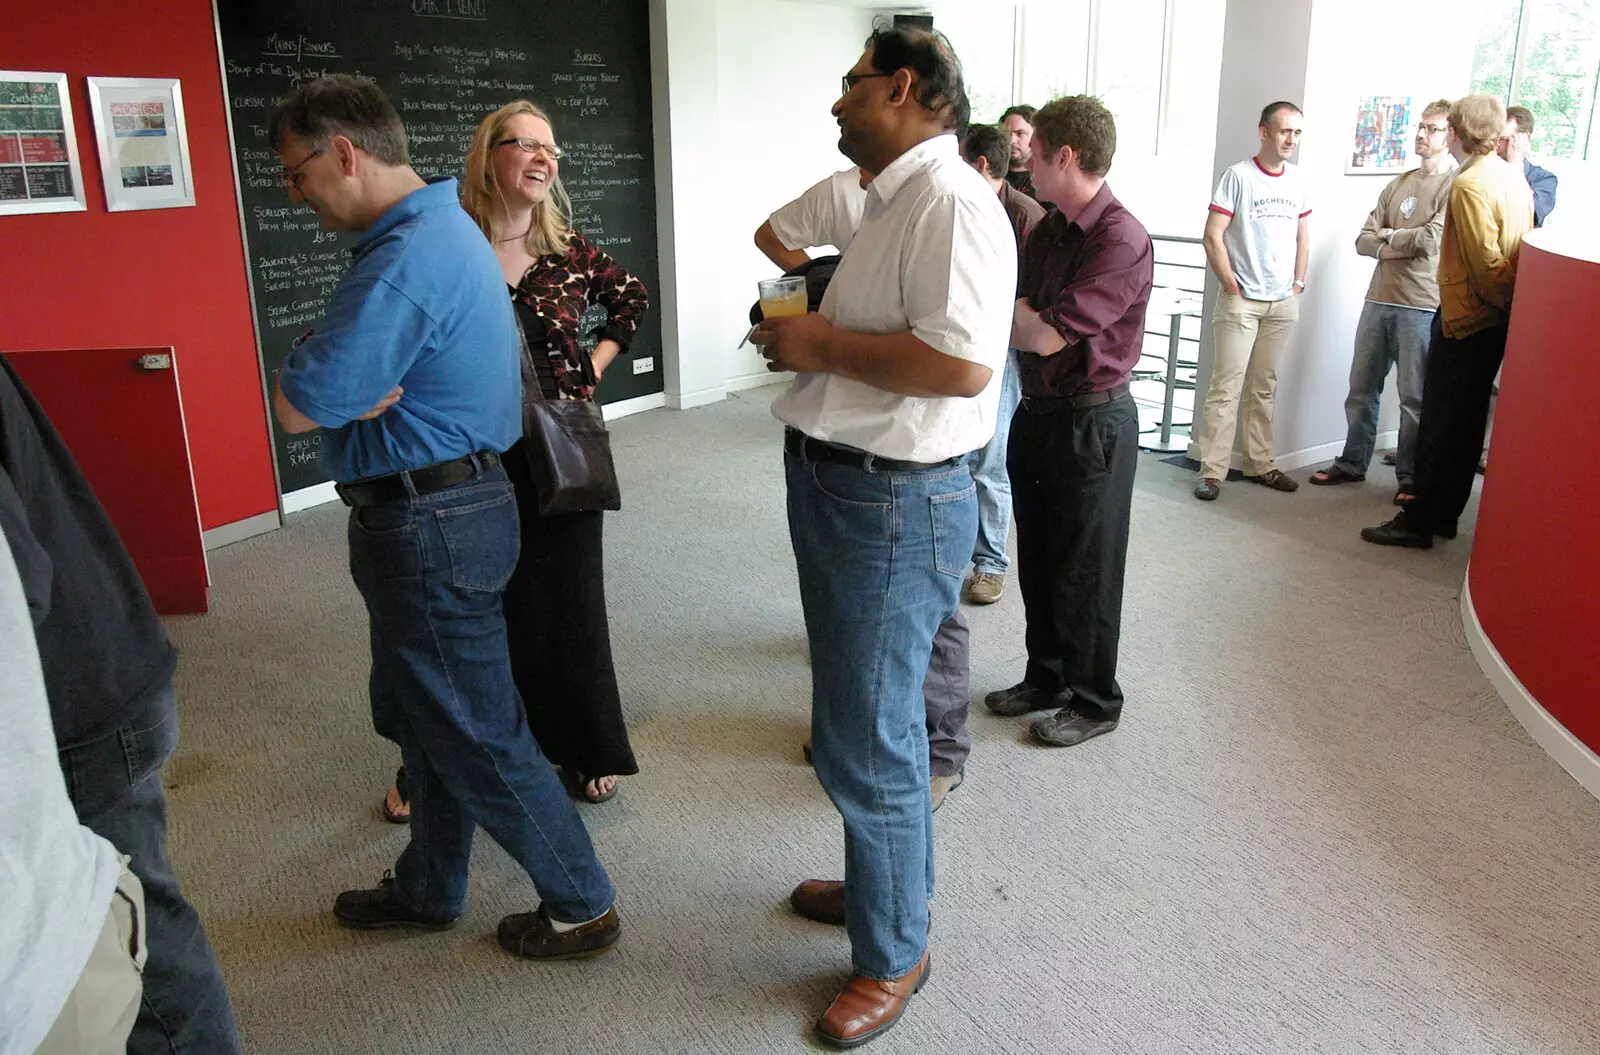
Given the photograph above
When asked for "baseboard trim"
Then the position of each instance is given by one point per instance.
(1570, 753)
(749, 381)
(1290, 461)
(690, 400)
(637, 405)
(239, 530)
(309, 497)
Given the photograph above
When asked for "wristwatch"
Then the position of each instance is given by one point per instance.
(1300, 284)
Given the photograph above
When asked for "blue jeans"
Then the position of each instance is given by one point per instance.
(881, 557)
(115, 785)
(988, 464)
(1387, 335)
(431, 569)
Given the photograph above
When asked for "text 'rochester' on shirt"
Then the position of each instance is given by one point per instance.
(1265, 210)
(424, 307)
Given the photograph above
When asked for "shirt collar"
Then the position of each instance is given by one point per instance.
(1096, 209)
(899, 171)
(437, 194)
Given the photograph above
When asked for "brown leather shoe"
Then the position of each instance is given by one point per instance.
(866, 1008)
(531, 936)
(821, 900)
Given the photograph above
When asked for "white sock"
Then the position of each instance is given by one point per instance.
(561, 928)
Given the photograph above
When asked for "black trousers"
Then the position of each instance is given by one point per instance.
(559, 636)
(1455, 409)
(1071, 491)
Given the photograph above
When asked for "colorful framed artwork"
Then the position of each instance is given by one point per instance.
(1382, 145)
(144, 144)
(39, 166)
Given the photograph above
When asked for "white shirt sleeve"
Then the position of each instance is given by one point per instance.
(960, 280)
(807, 221)
(1229, 197)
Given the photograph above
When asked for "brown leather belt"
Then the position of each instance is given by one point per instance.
(1050, 404)
(800, 445)
(423, 481)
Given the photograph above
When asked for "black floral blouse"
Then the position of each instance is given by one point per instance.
(551, 300)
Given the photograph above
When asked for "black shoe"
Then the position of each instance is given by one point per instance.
(1398, 532)
(1069, 728)
(1024, 697)
(1276, 479)
(1445, 532)
(531, 936)
(378, 908)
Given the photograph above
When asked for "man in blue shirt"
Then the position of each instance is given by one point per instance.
(415, 373)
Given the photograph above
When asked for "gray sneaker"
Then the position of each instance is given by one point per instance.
(1069, 728)
(985, 587)
(1207, 489)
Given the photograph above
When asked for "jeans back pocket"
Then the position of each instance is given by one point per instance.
(482, 542)
(955, 529)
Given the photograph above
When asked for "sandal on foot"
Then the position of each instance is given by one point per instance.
(394, 816)
(581, 782)
(1333, 474)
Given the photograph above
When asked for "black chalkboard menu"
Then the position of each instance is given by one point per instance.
(445, 64)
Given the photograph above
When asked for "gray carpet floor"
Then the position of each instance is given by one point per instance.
(1317, 829)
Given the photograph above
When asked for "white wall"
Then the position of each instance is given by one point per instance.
(779, 65)
(743, 92)
(1321, 54)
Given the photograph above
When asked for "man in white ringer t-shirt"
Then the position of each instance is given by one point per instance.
(1256, 242)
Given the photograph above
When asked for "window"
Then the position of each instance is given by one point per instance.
(1545, 55)
(984, 40)
(1129, 54)
(1055, 50)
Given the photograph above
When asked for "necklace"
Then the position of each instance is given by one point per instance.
(513, 238)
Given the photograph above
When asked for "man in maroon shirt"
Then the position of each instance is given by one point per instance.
(1084, 284)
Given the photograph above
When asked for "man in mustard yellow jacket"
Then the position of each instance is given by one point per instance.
(1490, 210)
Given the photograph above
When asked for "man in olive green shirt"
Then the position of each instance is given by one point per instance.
(1490, 211)
(1402, 233)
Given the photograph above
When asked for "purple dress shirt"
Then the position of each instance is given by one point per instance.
(1090, 279)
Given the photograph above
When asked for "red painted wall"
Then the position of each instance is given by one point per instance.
(160, 277)
(1535, 571)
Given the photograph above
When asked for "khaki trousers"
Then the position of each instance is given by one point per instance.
(1248, 337)
(99, 1013)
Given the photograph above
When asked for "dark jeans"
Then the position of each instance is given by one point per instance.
(431, 569)
(115, 785)
(560, 639)
(1072, 487)
(1455, 411)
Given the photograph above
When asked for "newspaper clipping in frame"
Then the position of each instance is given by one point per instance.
(144, 152)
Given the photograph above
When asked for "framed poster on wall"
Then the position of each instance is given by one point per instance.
(1382, 145)
(144, 145)
(39, 168)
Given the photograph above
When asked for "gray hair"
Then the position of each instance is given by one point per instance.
(340, 105)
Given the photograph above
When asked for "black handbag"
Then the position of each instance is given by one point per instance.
(567, 448)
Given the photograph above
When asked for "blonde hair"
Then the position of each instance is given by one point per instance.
(1478, 121)
(551, 229)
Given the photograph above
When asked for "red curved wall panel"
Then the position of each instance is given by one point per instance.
(1535, 569)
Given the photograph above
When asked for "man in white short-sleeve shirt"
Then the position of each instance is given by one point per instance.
(1257, 243)
(899, 379)
(826, 214)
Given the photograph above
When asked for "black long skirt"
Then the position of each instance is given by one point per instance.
(559, 638)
